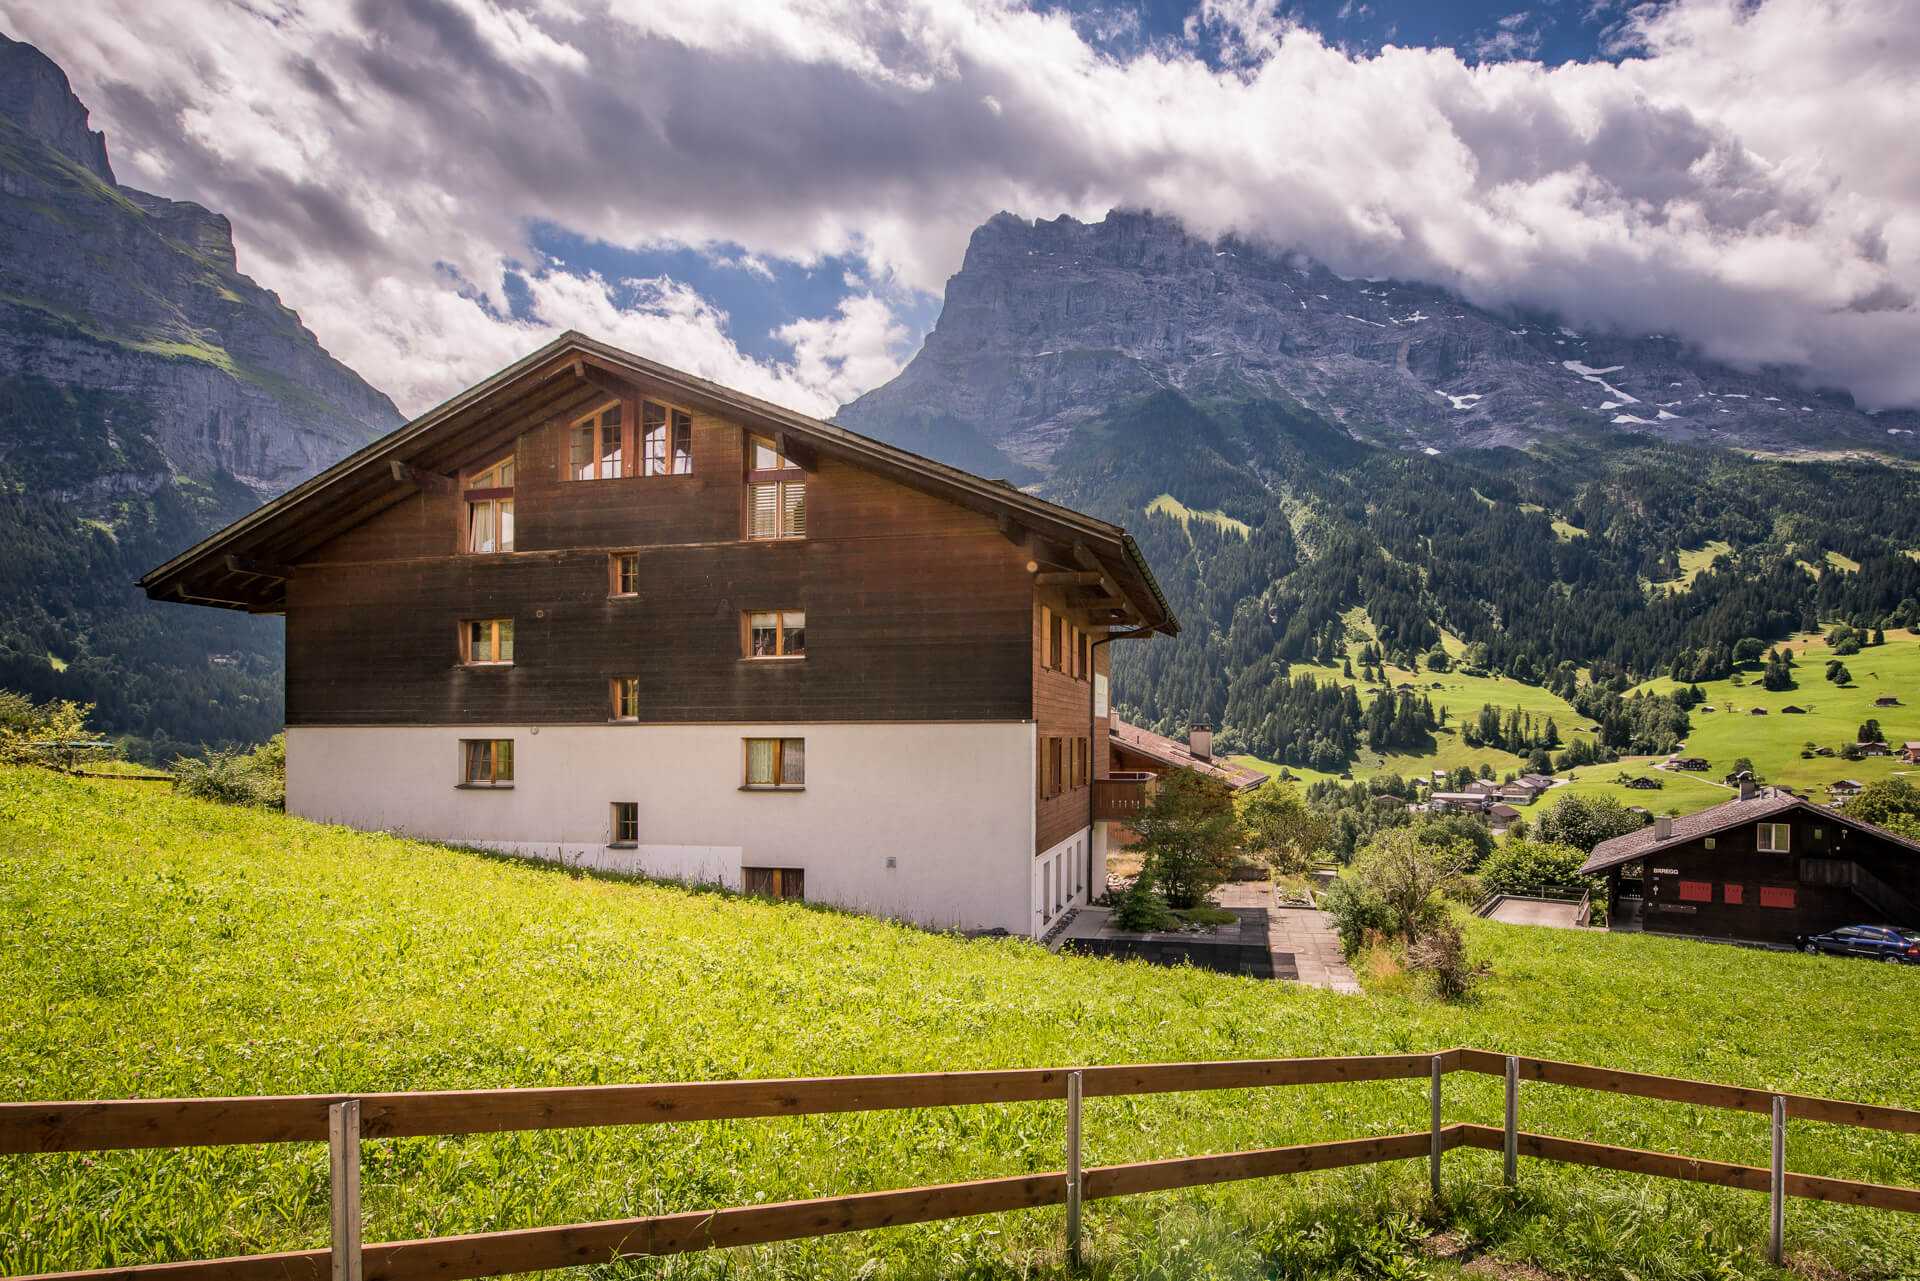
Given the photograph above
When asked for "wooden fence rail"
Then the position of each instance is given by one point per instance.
(344, 1121)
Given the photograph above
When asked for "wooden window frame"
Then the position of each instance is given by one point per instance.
(779, 881)
(676, 441)
(1762, 831)
(1056, 765)
(494, 626)
(494, 780)
(613, 700)
(780, 654)
(779, 764)
(619, 815)
(787, 474)
(498, 497)
(616, 586)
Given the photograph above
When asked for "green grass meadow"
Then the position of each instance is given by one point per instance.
(155, 946)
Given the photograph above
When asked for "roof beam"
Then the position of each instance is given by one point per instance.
(1069, 578)
(420, 478)
(257, 568)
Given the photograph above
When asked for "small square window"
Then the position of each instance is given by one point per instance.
(624, 827)
(623, 574)
(487, 642)
(1708, 842)
(486, 762)
(776, 633)
(774, 763)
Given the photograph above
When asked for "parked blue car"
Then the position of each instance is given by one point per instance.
(1882, 942)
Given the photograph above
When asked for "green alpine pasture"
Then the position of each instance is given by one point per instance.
(156, 946)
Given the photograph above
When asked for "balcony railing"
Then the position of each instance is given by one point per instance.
(1121, 796)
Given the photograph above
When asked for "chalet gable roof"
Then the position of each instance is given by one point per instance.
(1173, 752)
(246, 565)
(1720, 818)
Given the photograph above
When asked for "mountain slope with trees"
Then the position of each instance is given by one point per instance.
(149, 394)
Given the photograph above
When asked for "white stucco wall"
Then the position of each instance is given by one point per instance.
(1060, 881)
(951, 804)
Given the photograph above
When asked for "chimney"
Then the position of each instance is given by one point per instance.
(1662, 828)
(1200, 742)
(1748, 788)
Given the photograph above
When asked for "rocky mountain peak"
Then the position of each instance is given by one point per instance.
(1050, 323)
(35, 95)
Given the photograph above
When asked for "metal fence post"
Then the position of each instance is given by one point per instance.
(343, 1151)
(1073, 1168)
(1433, 1158)
(1510, 1149)
(1777, 1185)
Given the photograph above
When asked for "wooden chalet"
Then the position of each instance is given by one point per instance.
(1765, 867)
(598, 610)
(1139, 757)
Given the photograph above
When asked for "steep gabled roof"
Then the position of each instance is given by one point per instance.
(1721, 818)
(245, 566)
(1172, 752)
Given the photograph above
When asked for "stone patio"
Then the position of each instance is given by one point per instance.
(1296, 943)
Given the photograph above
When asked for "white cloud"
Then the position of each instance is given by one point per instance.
(1746, 182)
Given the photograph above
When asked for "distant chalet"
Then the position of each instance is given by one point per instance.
(600, 611)
(1765, 867)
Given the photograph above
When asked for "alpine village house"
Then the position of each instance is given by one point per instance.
(599, 611)
(1766, 867)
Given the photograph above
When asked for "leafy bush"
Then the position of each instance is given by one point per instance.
(1394, 886)
(28, 729)
(255, 778)
(1189, 835)
(1584, 821)
(1529, 867)
(1141, 909)
(1280, 829)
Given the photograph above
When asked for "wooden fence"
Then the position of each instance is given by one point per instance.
(344, 1122)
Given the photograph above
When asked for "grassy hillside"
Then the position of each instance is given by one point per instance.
(1833, 715)
(1462, 697)
(158, 946)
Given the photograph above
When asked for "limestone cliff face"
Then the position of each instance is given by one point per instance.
(110, 289)
(1050, 323)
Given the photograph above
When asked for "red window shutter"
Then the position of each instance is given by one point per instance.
(1732, 893)
(1696, 891)
(1777, 896)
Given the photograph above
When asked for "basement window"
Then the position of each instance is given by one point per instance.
(774, 882)
(624, 823)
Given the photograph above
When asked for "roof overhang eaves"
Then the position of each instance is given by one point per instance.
(1108, 541)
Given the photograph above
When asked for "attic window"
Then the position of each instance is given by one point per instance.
(667, 438)
(596, 445)
(489, 497)
(776, 492)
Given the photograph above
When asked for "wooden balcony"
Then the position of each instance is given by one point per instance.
(1121, 796)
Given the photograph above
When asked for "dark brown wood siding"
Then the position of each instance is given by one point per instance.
(916, 608)
(1063, 709)
(1819, 850)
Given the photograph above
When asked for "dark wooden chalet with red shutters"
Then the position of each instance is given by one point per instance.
(1766, 867)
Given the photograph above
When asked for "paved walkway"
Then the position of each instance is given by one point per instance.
(1301, 935)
